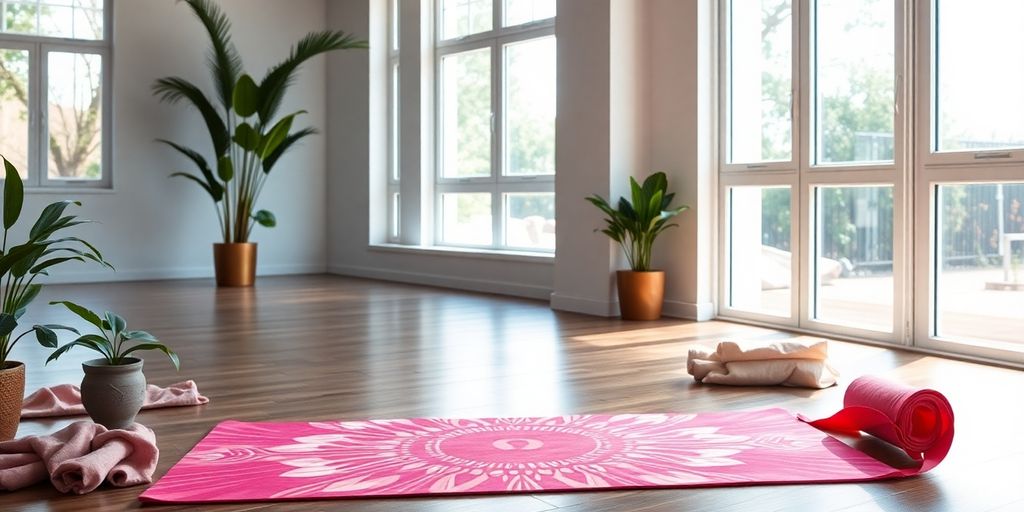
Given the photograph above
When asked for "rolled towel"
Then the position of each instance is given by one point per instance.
(797, 363)
(919, 421)
(66, 399)
(80, 457)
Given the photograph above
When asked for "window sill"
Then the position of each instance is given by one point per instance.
(461, 252)
(68, 190)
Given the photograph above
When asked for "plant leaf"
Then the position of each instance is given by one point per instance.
(224, 61)
(284, 146)
(265, 218)
(277, 80)
(50, 216)
(116, 323)
(82, 312)
(155, 346)
(246, 96)
(225, 168)
(277, 134)
(140, 335)
(14, 195)
(246, 137)
(7, 324)
(213, 187)
(173, 89)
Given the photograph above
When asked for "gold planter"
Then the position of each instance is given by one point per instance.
(641, 294)
(235, 264)
(12, 391)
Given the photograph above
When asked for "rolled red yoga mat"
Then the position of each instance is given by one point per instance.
(919, 421)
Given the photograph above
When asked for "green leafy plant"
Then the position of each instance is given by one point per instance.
(21, 264)
(635, 225)
(247, 140)
(114, 341)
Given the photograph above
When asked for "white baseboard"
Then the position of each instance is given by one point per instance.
(700, 312)
(586, 306)
(100, 276)
(444, 281)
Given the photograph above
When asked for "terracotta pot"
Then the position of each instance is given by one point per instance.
(12, 391)
(641, 294)
(113, 394)
(235, 264)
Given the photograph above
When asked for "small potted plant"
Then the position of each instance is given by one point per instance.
(635, 225)
(114, 387)
(20, 264)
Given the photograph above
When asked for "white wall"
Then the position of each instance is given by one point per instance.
(155, 227)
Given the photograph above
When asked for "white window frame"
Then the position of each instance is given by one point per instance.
(497, 184)
(39, 48)
(803, 175)
(394, 170)
(935, 168)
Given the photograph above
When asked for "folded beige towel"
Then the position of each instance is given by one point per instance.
(797, 363)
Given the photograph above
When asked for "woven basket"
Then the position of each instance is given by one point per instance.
(12, 392)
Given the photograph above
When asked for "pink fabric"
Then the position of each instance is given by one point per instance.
(290, 461)
(66, 399)
(80, 457)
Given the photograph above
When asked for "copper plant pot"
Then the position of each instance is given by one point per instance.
(235, 264)
(641, 294)
(12, 391)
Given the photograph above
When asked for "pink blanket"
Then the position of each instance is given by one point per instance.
(66, 399)
(80, 457)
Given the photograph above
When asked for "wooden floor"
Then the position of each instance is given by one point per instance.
(321, 347)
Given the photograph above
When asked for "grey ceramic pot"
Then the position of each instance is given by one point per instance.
(113, 394)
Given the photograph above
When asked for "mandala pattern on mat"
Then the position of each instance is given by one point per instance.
(254, 461)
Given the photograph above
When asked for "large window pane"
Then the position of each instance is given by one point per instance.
(518, 12)
(980, 74)
(760, 256)
(72, 19)
(530, 221)
(760, 81)
(980, 275)
(530, 107)
(460, 18)
(466, 114)
(466, 219)
(854, 76)
(14, 127)
(853, 257)
(74, 113)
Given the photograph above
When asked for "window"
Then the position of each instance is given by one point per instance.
(827, 224)
(495, 135)
(394, 171)
(53, 96)
(811, 224)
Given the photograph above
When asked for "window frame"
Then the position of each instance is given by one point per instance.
(932, 169)
(497, 184)
(39, 47)
(804, 176)
(393, 177)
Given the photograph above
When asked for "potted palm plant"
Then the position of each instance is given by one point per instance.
(20, 265)
(635, 225)
(114, 387)
(248, 138)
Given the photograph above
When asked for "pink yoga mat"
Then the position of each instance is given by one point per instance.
(413, 457)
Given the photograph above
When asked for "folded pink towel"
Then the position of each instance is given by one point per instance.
(80, 457)
(66, 399)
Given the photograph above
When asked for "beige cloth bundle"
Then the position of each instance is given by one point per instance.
(797, 363)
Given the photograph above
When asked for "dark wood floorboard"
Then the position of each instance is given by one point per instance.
(326, 347)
